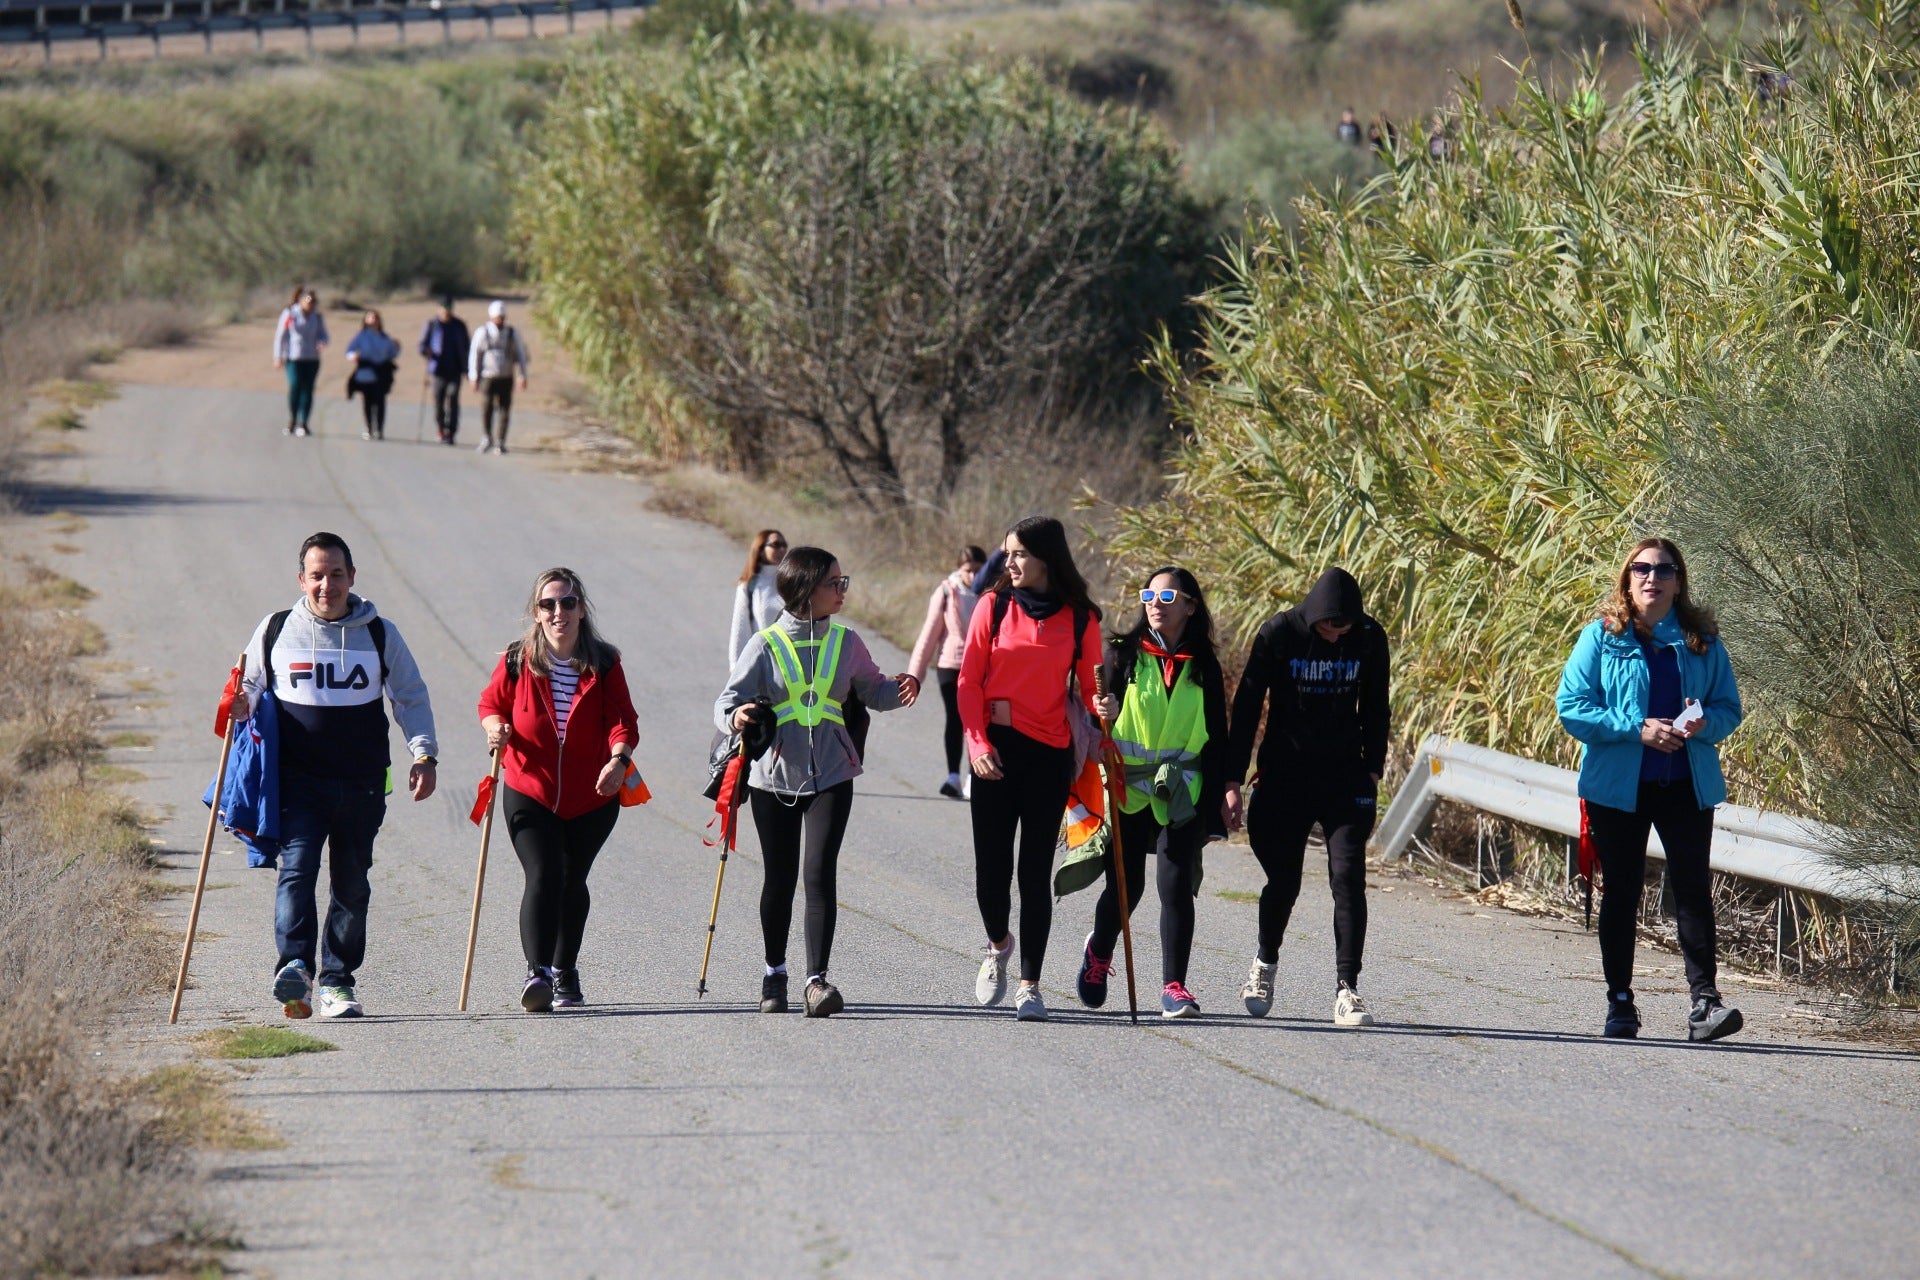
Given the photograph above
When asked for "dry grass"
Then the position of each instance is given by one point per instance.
(197, 1111)
(91, 1179)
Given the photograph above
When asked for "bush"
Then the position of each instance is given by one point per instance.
(848, 249)
(1458, 382)
(1263, 166)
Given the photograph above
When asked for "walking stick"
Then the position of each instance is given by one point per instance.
(491, 786)
(731, 793)
(213, 825)
(1116, 788)
(420, 418)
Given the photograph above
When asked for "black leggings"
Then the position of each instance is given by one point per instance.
(557, 853)
(782, 822)
(374, 407)
(1686, 831)
(1031, 796)
(1179, 857)
(1279, 820)
(951, 737)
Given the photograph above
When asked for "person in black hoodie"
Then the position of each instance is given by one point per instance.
(1319, 671)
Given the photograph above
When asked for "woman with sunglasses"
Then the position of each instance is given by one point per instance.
(756, 600)
(1319, 672)
(805, 667)
(944, 633)
(1031, 642)
(1649, 692)
(558, 710)
(1167, 702)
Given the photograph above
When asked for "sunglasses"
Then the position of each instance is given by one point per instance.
(551, 603)
(777, 546)
(1659, 572)
(1165, 596)
(840, 583)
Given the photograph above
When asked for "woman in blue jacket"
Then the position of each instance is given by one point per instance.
(1649, 690)
(373, 356)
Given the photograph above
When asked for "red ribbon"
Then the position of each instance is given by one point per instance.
(224, 716)
(726, 808)
(482, 798)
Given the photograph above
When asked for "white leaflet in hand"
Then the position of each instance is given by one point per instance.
(1691, 716)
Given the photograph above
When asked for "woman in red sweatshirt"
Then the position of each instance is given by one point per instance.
(1036, 632)
(559, 709)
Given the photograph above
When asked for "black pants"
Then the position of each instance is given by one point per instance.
(1686, 830)
(446, 406)
(818, 822)
(1032, 798)
(557, 854)
(374, 407)
(1279, 820)
(951, 735)
(496, 393)
(1179, 856)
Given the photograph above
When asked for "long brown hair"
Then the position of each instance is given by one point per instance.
(1696, 620)
(756, 553)
(590, 654)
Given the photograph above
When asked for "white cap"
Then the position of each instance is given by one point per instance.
(496, 308)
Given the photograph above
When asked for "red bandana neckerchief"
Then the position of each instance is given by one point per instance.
(1169, 662)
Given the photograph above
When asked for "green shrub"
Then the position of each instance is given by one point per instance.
(1458, 383)
(1263, 166)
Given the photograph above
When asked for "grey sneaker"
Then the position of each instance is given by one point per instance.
(339, 1002)
(1711, 1020)
(823, 999)
(1257, 992)
(1028, 1006)
(990, 988)
(1349, 1010)
(293, 988)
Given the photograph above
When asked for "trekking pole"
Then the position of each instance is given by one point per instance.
(1116, 788)
(213, 825)
(420, 418)
(480, 877)
(731, 792)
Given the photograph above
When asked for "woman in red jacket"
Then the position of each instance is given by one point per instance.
(558, 708)
(1026, 640)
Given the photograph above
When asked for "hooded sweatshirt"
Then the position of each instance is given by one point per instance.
(326, 680)
(1326, 704)
(802, 761)
(299, 334)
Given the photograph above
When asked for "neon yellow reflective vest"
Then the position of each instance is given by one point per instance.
(1159, 736)
(808, 700)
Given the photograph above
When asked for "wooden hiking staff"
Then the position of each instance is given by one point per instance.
(491, 786)
(1116, 788)
(213, 824)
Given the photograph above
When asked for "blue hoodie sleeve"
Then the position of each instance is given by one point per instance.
(1582, 699)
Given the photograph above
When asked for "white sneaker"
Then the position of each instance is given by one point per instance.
(990, 988)
(485, 446)
(1257, 992)
(1349, 1010)
(1028, 1006)
(339, 1002)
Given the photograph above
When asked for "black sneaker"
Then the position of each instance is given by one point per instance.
(537, 995)
(951, 790)
(1623, 1019)
(773, 993)
(823, 999)
(1092, 983)
(566, 990)
(1710, 1020)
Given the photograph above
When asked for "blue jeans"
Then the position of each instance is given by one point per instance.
(344, 816)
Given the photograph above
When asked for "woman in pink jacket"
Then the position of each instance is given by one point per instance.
(949, 610)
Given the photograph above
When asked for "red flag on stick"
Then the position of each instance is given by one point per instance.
(224, 715)
(482, 797)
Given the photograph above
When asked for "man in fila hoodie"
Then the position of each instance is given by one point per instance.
(328, 660)
(1319, 671)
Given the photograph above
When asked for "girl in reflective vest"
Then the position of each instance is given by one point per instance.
(1167, 703)
(805, 666)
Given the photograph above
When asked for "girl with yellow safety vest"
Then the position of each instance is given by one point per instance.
(804, 668)
(1167, 702)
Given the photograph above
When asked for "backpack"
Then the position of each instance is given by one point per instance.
(377, 628)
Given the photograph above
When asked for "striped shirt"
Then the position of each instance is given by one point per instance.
(565, 682)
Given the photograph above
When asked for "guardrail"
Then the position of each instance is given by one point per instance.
(1747, 842)
(47, 22)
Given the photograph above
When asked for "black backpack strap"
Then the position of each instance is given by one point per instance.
(275, 625)
(1002, 600)
(377, 628)
(513, 662)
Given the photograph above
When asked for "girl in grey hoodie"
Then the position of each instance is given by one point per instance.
(804, 667)
(297, 339)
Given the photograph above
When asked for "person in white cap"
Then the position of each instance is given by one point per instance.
(497, 353)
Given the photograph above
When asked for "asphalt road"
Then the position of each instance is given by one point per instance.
(1481, 1130)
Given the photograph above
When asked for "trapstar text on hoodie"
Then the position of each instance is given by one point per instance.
(1325, 675)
